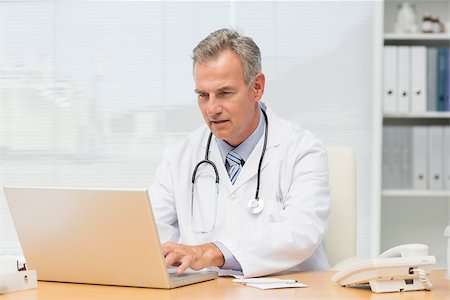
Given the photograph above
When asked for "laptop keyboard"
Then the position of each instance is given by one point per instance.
(173, 275)
(188, 273)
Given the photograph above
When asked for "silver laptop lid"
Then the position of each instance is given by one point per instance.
(89, 235)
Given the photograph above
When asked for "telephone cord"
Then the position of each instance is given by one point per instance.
(423, 277)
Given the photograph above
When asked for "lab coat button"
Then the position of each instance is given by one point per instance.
(233, 197)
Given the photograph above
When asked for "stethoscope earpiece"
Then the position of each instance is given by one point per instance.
(255, 206)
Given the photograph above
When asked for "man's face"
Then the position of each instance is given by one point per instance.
(228, 105)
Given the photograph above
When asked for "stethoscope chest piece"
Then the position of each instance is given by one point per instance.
(255, 207)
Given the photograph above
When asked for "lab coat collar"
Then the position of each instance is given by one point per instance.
(275, 129)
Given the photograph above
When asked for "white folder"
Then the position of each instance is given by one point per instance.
(418, 73)
(388, 157)
(419, 157)
(435, 157)
(390, 79)
(403, 69)
(405, 156)
(447, 158)
(396, 153)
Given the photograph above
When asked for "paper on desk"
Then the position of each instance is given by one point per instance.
(275, 285)
(266, 283)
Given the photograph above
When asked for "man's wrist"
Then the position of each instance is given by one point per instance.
(214, 255)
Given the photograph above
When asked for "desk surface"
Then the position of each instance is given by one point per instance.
(320, 287)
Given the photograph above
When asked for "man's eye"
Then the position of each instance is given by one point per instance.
(202, 95)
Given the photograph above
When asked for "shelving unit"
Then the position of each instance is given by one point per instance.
(409, 215)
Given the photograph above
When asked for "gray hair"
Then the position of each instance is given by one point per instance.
(223, 39)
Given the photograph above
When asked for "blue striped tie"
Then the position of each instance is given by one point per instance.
(234, 162)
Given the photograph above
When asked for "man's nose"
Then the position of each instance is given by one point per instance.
(214, 106)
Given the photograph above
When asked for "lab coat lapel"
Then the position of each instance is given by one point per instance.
(250, 168)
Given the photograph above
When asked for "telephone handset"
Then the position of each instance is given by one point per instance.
(402, 268)
(406, 250)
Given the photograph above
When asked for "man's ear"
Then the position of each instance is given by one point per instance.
(258, 85)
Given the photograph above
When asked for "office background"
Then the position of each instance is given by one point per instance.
(92, 91)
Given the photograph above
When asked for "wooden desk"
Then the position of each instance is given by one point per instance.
(320, 287)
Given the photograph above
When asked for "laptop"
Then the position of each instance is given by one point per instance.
(95, 236)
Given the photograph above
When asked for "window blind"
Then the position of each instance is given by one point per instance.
(91, 92)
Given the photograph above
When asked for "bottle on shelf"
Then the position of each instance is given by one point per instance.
(427, 23)
(431, 24)
(406, 19)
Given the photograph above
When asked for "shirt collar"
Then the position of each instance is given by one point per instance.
(246, 147)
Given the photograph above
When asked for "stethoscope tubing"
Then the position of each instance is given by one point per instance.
(206, 160)
(263, 152)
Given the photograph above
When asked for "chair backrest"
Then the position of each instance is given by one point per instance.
(340, 240)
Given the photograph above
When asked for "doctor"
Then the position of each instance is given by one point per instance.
(248, 191)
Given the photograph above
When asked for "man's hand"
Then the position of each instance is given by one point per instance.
(195, 257)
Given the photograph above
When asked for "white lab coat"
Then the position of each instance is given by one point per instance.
(287, 235)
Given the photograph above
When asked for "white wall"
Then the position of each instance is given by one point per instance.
(91, 92)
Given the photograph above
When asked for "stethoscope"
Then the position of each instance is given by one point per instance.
(255, 206)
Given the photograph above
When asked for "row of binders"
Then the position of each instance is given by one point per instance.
(416, 79)
(416, 157)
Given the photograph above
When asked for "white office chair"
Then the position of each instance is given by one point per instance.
(340, 240)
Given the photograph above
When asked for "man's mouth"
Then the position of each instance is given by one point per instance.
(219, 121)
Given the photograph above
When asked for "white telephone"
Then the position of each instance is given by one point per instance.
(402, 268)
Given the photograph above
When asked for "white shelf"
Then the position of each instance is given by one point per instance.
(416, 193)
(417, 36)
(419, 115)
